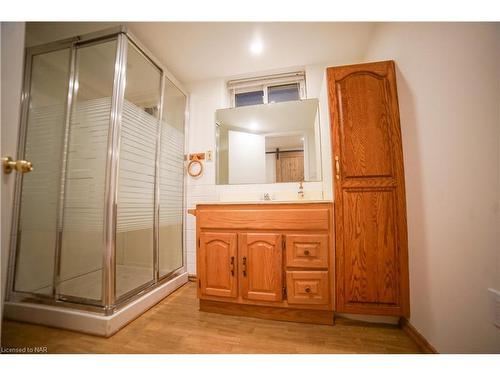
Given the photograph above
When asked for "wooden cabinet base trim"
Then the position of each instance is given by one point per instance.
(267, 312)
(371, 309)
(278, 304)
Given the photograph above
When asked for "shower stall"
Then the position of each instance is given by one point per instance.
(98, 224)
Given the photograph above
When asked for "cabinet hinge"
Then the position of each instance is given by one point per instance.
(283, 243)
(284, 292)
(198, 242)
(199, 283)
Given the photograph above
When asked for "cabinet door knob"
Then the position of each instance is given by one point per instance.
(306, 252)
(308, 289)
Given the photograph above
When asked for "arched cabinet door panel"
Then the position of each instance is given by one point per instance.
(371, 247)
(261, 271)
(217, 265)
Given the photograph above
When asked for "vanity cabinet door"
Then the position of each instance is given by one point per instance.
(260, 265)
(370, 208)
(217, 264)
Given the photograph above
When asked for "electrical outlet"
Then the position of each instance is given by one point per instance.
(209, 155)
(495, 306)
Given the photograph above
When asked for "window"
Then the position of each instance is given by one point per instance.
(269, 89)
(248, 98)
(283, 93)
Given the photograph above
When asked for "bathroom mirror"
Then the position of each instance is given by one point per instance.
(268, 143)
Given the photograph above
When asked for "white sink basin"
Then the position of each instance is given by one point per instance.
(275, 196)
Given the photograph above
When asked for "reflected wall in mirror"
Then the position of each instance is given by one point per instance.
(268, 143)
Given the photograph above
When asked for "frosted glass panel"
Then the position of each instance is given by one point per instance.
(41, 188)
(171, 179)
(84, 200)
(137, 168)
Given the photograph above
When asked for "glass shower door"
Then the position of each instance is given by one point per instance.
(40, 191)
(81, 254)
(136, 174)
(171, 180)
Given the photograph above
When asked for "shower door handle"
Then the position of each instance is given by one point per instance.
(22, 166)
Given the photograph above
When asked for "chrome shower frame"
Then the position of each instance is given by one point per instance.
(109, 303)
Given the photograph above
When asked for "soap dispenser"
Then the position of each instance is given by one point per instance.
(301, 190)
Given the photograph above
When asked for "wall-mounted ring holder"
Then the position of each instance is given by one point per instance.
(195, 166)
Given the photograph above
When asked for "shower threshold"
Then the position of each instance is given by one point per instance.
(91, 322)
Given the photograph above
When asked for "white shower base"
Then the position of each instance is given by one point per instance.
(88, 322)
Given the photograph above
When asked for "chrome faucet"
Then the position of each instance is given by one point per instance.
(301, 190)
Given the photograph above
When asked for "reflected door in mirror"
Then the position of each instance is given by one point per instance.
(290, 167)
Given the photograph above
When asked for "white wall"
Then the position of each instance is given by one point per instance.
(270, 168)
(247, 157)
(204, 98)
(449, 94)
(316, 86)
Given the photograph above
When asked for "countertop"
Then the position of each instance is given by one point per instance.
(301, 201)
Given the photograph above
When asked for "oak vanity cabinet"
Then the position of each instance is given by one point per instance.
(266, 260)
(370, 208)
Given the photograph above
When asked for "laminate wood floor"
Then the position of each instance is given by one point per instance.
(176, 326)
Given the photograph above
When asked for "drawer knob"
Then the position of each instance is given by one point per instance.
(306, 252)
(308, 289)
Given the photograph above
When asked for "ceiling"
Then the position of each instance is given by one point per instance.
(195, 51)
(285, 142)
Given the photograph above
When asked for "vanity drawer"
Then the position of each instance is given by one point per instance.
(307, 287)
(307, 250)
(264, 216)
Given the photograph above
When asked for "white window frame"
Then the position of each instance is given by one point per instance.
(262, 83)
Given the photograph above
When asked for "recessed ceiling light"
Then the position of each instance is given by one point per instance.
(254, 125)
(256, 47)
